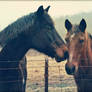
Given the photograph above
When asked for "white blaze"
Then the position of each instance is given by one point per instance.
(70, 57)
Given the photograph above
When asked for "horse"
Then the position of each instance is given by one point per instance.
(37, 33)
(79, 62)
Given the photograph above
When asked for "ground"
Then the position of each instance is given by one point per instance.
(59, 81)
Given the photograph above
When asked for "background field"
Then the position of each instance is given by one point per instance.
(59, 81)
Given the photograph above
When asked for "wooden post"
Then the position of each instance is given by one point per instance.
(46, 74)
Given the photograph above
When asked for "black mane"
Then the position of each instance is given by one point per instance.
(90, 36)
(12, 30)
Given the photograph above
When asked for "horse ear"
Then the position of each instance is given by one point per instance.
(82, 25)
(40, 11)
(47, 9)
(68, 25)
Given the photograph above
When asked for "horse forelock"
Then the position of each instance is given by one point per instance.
(15, 28)
(74, 30)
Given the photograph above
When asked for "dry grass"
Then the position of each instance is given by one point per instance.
(58, 79)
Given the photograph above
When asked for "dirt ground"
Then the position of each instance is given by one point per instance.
(59, 81)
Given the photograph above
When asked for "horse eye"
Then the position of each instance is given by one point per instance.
(67, 40)
(81, 41)
(49, 27)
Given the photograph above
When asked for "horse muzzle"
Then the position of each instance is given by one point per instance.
(70, 69)
(62, 58)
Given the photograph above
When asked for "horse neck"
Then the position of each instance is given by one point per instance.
(86, 59)
(88, 50)
(14, 50)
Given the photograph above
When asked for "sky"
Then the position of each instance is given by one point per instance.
(12, 10)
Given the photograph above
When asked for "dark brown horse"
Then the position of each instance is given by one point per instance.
(40, 34)
(79, 63)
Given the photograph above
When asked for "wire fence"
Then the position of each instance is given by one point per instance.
(45, 77)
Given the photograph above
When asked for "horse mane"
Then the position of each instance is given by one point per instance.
(13, 29)
(90, 35)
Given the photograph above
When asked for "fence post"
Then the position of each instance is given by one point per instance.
(46, 74)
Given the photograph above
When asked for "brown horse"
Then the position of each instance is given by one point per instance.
(79, 63)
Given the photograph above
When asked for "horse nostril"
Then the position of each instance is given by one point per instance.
(67, 69)
(73, 69)
(70, 70)
(66, 54)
